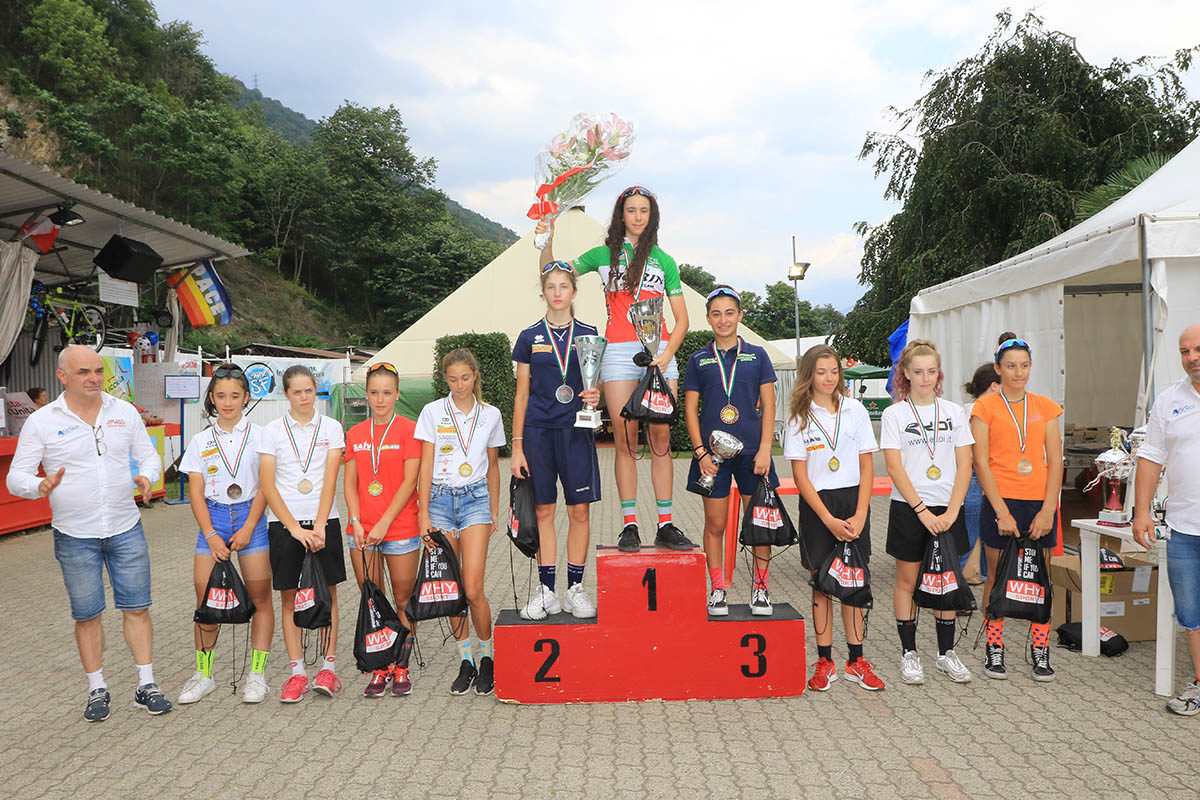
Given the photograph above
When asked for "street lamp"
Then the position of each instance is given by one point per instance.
(795, 275)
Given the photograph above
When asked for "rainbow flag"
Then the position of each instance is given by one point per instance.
(202, 295)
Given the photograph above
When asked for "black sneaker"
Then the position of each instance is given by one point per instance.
(1042, 671)
(628, 541)
(670, 536)
(97, 705)
(466, 676)
(151, 698)
(486, 680)
(993, 665)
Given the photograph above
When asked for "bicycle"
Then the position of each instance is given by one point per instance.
(78, 323)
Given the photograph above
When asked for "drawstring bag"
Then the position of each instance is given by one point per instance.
(651, 400)
(313, 608)
(844, 576)
(766, 521)
(1022, 589)
(940, 585)
(225, 600)
(1070, 636)
(1110, 560)
(378, 636)
(522, 517)
(438, 591)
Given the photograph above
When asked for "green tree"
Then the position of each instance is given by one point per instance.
(1117, 185)
(698, 278)
(68, 40)
(992, 160)
(774, 317)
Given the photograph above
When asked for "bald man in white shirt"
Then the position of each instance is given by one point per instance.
(84, 440)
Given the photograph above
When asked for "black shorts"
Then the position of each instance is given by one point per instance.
(816, 542)
(287, 555)
(907, 537)
(1023, 512)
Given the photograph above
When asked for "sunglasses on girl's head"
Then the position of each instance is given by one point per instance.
(564, 266)
(1009, 344)
(383, 365)
(723, 291)
(632, 190)
(228, 372)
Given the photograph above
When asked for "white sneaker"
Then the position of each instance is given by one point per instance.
(256, 688)
(578, 603)
(950, 664)
(196, 687)
(717, 605)
(542, 603)
(760, 603)
(911, 671)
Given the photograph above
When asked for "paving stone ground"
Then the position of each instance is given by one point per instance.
(1098, 731)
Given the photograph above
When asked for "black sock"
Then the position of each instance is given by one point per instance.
(405, 651)
(855, 652)
(825, 651)
(908, 633)
(945, 635)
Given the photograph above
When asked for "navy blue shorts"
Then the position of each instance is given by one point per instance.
(566, 455)
(740, 467)
(1023, 512)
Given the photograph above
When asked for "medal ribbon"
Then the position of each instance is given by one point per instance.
(287, 426)
(728, 385)
(375, 453)
(1024, 426)
(931, 446)
(837, 427)
(564, 361)
(221, 451)
(466, 445)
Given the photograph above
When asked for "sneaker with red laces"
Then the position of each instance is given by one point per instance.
(378, 684)
(401, 685)
(862, 673)
(824, 673)
(293, 689)
(327, 683)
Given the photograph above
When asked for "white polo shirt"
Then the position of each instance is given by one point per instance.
(1173, 439)
(203, 458)
(899, 430)
(434, 425)
(95, 499)
(810, 444)
(323, 434)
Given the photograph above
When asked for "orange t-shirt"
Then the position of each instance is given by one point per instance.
(1004, 442)
(397, 447)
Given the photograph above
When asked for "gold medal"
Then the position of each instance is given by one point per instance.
(375, 488)
(465, 470)
(1024, 467)
(834, 464)
(933, 473)
(304, 486)
(729, 414)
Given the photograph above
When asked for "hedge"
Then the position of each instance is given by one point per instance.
(493, 352)
(695, 340)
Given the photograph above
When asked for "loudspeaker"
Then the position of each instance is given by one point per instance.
(128, 259)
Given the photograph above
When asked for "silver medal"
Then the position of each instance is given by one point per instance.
(564, 394)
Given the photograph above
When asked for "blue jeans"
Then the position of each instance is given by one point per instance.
(396, 547)
(456, 508)
(1183, 573)
(83, 561)
(227, 519)
(972, 505)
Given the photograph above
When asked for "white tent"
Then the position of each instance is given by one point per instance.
(1078, 299)
(505, 296)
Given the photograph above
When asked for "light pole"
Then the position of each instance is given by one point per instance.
(795, 275)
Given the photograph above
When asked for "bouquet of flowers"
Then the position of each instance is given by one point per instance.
(576, 161)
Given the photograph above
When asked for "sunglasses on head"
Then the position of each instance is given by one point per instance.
(228, 371)
(642, 190)
(723, 290)
(383, 365)
(553, 265)
(1009, 344)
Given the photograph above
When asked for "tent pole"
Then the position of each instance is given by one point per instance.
(1147, 315)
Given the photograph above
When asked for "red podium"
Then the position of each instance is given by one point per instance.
(652, 639)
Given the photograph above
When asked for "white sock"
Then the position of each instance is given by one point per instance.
(464, 650)
(298, 668)
(145, 673)
(96, 680)
(328, 663)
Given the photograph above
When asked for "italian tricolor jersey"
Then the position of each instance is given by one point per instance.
(659, 277)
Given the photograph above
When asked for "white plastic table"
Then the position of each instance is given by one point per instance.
(1089, 563)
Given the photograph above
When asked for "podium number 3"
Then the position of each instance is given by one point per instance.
(650, 581)
(759, 643)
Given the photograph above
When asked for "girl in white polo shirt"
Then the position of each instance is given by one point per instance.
(829, 441)
(221, 463)
(460, 495)
(300, 454)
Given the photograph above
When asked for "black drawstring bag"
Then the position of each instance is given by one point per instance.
(1110, 560)
(766, 521)
(1022, 589)
(378, 636)
(1070, 636)
(313, 608)
(844, 575)
(940, 585)
(522, 517)
(651, 400)
(225, 600)
(438, 591)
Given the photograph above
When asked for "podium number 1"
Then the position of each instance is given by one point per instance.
(650, 581)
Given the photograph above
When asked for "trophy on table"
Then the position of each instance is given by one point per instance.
(1116, 465)
(721, 446)
(590, 350)
(646, 316)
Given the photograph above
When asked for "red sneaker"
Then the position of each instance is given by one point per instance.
(293, 689)
(401, 685)
(327, 683)
(862, 673)
(378, 684)
(824, 673)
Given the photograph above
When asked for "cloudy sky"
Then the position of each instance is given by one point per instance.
(749, 116)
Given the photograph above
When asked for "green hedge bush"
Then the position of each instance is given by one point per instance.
(695, 340)
(493, 352)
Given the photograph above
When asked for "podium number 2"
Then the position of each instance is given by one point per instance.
(552, 645)
(759, 643)
(650, 581)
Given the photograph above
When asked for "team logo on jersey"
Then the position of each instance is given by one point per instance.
(362, 446)
(211, 469)
(539, 338)
(212, 451)
(542, 348)
(115, 423)
(446, 449)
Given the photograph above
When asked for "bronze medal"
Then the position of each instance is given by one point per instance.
(304, 486)
(233, 491)
(375, 488)
(729, 414)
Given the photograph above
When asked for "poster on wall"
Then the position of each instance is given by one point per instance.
(265, 373)
(118, 377)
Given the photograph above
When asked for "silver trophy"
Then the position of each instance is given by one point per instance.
(721, 446)
(646, 316)
(590, 351)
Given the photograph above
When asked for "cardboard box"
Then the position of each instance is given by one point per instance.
(1128, 597)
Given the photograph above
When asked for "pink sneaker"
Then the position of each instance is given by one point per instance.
(327, 683)
(862, 673)
(401, 684)
(293, 689)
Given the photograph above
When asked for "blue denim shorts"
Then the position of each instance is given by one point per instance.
(456, 508)
(617, 364)
(83, 561)
(1183, 573)
(227, 519)
(397, 547)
